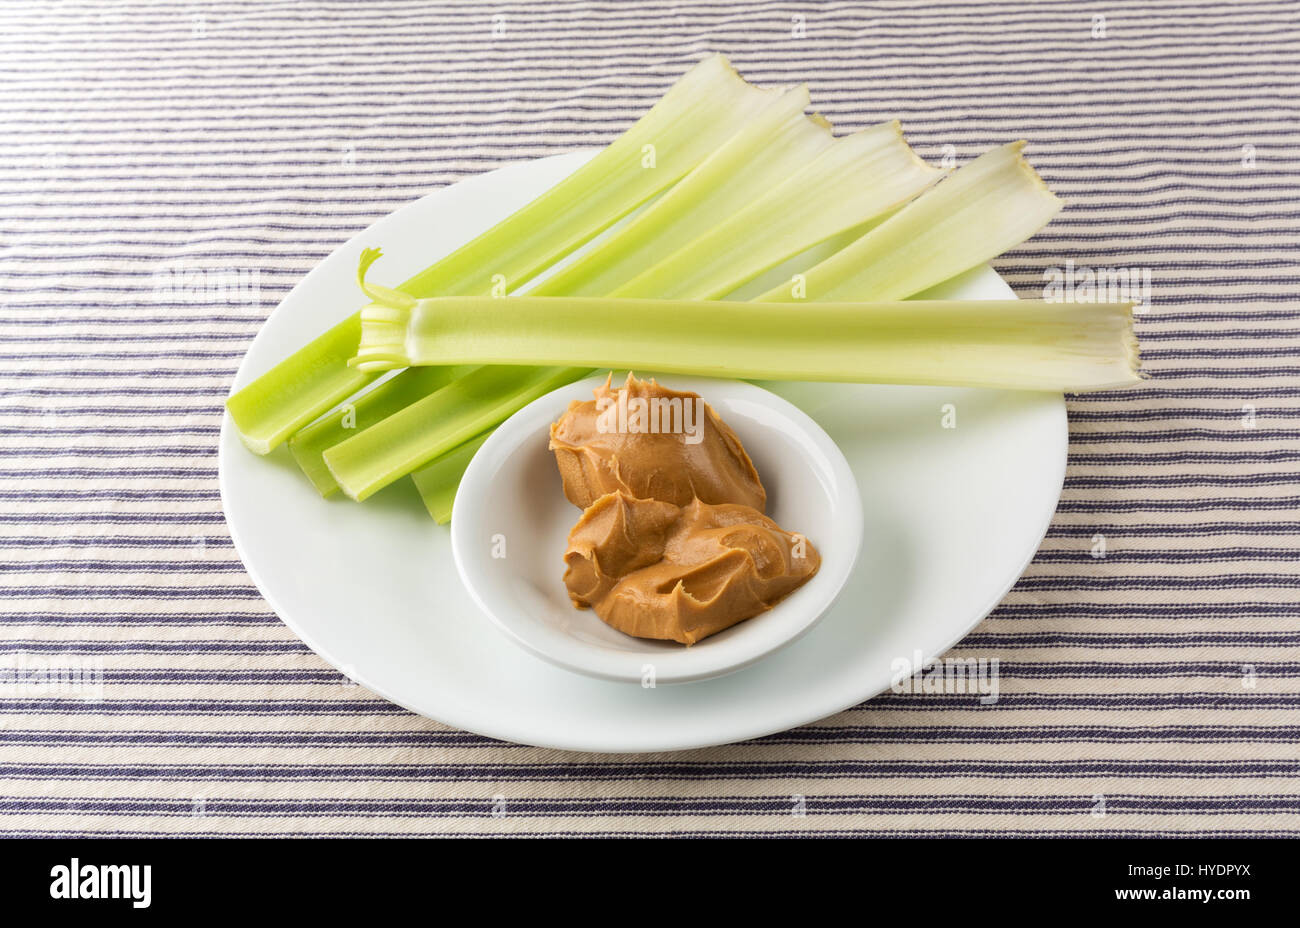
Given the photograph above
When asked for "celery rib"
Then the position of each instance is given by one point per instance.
(1013, 206)
(992, 204)
(780, 145)
(1004, 344)
(707, 105)
(308, 444)
(437, 482)
(742, 169)
(860, 178)
(462, 409)
(874, 171)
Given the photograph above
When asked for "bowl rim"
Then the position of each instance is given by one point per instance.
(699, 662)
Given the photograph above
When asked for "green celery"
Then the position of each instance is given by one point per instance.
(437, 482)
(743, 171)
(960, 229)
(855, 179)
(819, 193)
(462, 409)
(800, 198)
(986, 207)
(773, 144)
(861, 178)
(309, 443)
(706, 106)
(1009, 205)
(1007, 344)
(812, 171)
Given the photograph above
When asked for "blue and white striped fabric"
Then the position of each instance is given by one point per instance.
(169, 172)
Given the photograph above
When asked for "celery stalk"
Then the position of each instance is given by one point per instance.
(860, 178)
(1005, 344)
(704, 108)
(983, 209)
(986, 207)
(462, 409)
(774, 143)
(779, 143)
(437, 482)
(765, 195)
(810, 162)
(853, 180)
(309, 443)
(778, 138)
(806, 212)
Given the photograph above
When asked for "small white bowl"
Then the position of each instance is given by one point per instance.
(510, 527)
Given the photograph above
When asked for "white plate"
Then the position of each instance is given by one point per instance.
(512, 495)
(954, 516)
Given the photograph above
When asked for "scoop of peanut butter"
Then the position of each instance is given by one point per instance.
(656, 570)
(652, 443)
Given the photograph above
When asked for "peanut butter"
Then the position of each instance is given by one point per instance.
(652, 443)
(653, 569)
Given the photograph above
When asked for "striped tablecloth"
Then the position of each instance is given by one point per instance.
(170, 171)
